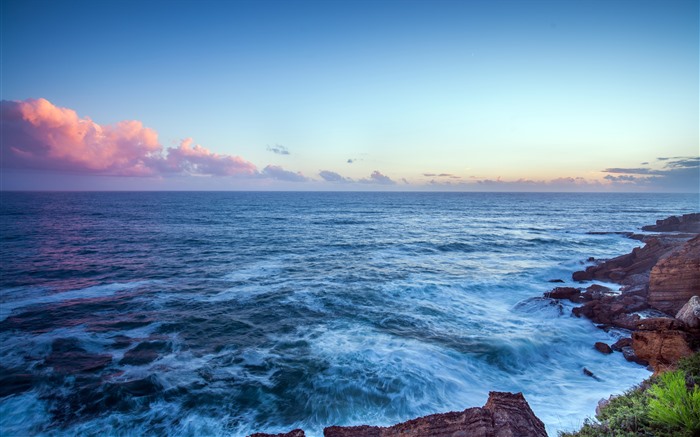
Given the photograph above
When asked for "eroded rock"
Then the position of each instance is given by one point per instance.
(504, 415)
(690, 313)
(675, 279)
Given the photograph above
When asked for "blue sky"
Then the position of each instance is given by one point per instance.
(470, 95)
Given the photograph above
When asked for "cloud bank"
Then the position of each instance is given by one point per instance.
(39, 135)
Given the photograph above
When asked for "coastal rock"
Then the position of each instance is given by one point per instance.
(564, 293)
(661, 349)
(684, 223)
(504, 415)
(602, 348)
(639, 261)
(690, 313)
(621, 343)
(676, 278)
(292, 433)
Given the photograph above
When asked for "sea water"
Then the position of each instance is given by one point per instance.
(231, 313)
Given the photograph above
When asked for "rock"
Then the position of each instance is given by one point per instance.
(684, 223)
(596, 291)
(630, 356)
(292, 433)
(661, 349)
(504, 415)
(563, 293)
(556, 281)
(591, 374)
(676, 278)
(602, 348)
(639, 261)
(659, 324)
(690, 313)
(621, 343)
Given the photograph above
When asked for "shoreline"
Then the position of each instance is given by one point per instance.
(660, 331)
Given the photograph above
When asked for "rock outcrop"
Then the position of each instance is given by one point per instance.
(676, 278)
(504, 415)
(684, 223)
(662, 276)
(292, 433)
(661, 342)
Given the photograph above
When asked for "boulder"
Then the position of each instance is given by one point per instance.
(661, 349)
(690, 313)
(676, 278)
(504, 415)
(602, 348)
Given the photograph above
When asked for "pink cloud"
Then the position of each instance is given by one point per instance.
(39, 135)
(199, 160)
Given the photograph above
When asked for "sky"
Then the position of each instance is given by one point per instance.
(350, 95)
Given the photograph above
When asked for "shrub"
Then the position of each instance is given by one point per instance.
(672, 404)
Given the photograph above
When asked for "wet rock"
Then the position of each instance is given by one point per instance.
(621, 343)
(602, 348)
(504, 415)
(684, 223)
(596, 291)
(563, 293)
(145, 353)
(690, 313)
(67, 357)
(591, 374)
(676, 278)
(292, 433)
(556, 281)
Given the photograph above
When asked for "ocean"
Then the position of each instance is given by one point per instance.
(206, 313)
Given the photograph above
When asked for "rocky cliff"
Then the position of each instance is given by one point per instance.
(676, 278)
(504, 415)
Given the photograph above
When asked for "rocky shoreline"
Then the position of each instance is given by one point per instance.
(656, 310)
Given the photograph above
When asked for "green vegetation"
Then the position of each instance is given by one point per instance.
(664, 406)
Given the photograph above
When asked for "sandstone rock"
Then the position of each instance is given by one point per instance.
(629, 355)
(676, 278)
(638, 262)
(602, 348)
(504, 415)
(659, 324)
(563, 293)
(690, 313)
(293, 433)
(661, 349)
(684, 223)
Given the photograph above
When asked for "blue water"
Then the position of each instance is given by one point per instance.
(232, 313)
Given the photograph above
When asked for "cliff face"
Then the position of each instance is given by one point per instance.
(675, 279)
(504, 415)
